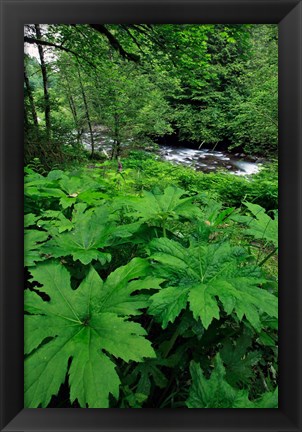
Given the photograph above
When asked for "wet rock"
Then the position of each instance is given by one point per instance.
(253, 158)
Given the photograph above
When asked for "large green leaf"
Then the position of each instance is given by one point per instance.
(54, 221)
(87, 327)
(203, 304)
(239, 361)
(158, 208)
(30, 219)
(33, 240)
(80, 189)
(93, 229)
(147, 373)
(262, 227)
(168, 303)
(204, 274)
(215, 392)
(65, 187)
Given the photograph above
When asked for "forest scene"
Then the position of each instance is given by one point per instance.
(151, 216)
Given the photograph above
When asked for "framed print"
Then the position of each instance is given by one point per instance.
(161, 199)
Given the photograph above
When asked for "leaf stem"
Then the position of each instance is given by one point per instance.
(171, 343)
(268, 257)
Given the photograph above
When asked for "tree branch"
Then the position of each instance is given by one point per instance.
(31, 40)
(133, 38)
(114, 42)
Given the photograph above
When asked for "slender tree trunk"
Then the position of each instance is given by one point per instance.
(117, 136)
(26, 122)
(99, 106)
(45, 83)
(86, 112)
(31, 99)
(75, 118)
(73, 109)
(116, 150)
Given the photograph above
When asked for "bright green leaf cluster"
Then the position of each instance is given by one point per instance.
(119, 309)
(203, 274)
(215, 392)
(88, 326)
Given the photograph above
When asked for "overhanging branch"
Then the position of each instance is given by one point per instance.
(35, 41)
(114, 42)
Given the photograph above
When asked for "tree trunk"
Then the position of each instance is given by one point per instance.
(73, 109)
(31, 99)
(98, 103)
(75, 118)
(86, 112)
(117, 143)
(26, 122)
(45, 83)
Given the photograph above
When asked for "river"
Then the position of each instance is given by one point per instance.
(201, 160)
(209, 160)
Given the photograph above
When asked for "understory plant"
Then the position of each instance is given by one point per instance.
(146, 298)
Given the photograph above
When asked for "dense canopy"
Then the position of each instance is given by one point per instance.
(201, 84)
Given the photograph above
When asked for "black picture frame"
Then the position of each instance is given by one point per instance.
(14, 14)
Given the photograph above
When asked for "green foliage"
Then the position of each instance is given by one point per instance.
(203, 274)
(265, 187)
(261, 188)
(79, 325)
(119, 308)
(262, 227)
(204, 83)
(148, 373)
(91, 232)
(239, 363)
(158, 209)
(145, 273)
(32, 245)
(215, 392)
(253, 115)
(36, 166)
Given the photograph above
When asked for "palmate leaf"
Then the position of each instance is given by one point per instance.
(30, 220)
(203, 273)
(156, 208)
(93, 230)
(168, 303)
(68, 189)
(80, 189)
(42, 188)
(262, 227)
(54, 220)
(87, 327)
(149, 372)
(32, 246)
(215, 392)
(239, 363)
